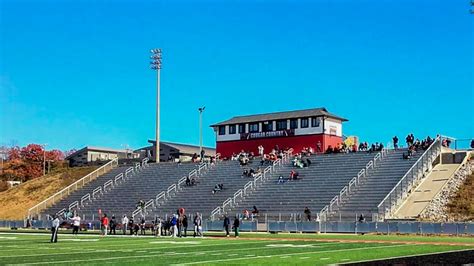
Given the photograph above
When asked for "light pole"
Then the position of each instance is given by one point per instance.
(155, 64)
(201, 110)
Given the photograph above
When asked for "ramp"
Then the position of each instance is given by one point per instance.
(426, 191)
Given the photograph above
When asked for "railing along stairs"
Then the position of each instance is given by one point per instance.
(356, 181)
(251, 186)
(106, 187)
(35, 210)
(411, 178)
(173, 189)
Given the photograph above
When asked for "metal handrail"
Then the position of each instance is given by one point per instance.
(354, 182)
(72, 187)
(382, 210)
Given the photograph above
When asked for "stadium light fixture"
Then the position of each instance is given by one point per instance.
(201, 110)
(155, 64)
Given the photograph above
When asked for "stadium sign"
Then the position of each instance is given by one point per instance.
(269, 134)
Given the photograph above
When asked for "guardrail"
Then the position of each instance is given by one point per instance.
(355, 181)
(35, 210)
(250, 186)
(401, 190)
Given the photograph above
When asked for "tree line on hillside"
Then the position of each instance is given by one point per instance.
(29, 162)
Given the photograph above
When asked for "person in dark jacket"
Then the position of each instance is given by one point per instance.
(226, 225)
(113, 225)
(236, 226)
(185, 225)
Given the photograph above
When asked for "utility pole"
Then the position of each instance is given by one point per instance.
(156, 65)
(201, 110)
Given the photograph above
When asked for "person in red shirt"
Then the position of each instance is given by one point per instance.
(104, 222)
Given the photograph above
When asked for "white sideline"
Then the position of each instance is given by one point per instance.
(200, 262)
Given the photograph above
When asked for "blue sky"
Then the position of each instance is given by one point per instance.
(75, 73)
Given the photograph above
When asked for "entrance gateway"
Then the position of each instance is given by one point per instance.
(291, 129)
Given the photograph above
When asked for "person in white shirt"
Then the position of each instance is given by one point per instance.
(76, 223)
(54, 229)
(260, 150)
(124, 224)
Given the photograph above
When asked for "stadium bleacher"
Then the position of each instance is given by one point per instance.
(375, 187)
(325, 177)
(316, 186)
(123, 198)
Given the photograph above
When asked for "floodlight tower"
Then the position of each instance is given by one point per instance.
(155, 64)
(201, 110)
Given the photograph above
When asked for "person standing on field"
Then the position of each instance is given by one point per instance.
(54, 229)
(197, 225)
(104, 222)
(76, 223)
(226, 225)
(236, 226)
(124, 224)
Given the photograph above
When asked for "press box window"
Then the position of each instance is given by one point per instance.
(315, 122)
(253, 127)
(241, 128)
(281, 125)
(293, 123)
(221, 130)
(267, 126)
(304, 122)
(232, 129)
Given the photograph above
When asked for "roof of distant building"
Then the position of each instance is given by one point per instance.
(185, 148)
(99, 149)
(280, 115)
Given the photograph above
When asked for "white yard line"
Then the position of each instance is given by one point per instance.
(293, 254)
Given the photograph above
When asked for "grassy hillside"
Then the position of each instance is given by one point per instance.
(15, 202)
(461, 206)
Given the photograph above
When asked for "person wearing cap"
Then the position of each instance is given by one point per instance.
(54, 229)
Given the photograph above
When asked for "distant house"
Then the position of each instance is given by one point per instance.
(90, 155)
(173, 151)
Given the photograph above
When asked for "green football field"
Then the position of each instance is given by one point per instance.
(281, 249)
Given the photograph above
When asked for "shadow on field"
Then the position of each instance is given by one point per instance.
(447, 258)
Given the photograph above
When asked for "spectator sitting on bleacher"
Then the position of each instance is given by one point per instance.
(218, 187)
(406, 156)
(246, 214)
(254, 211)
(294, 175)
(194, 158)
(281, 180)
(329, 149)
(245, 173)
